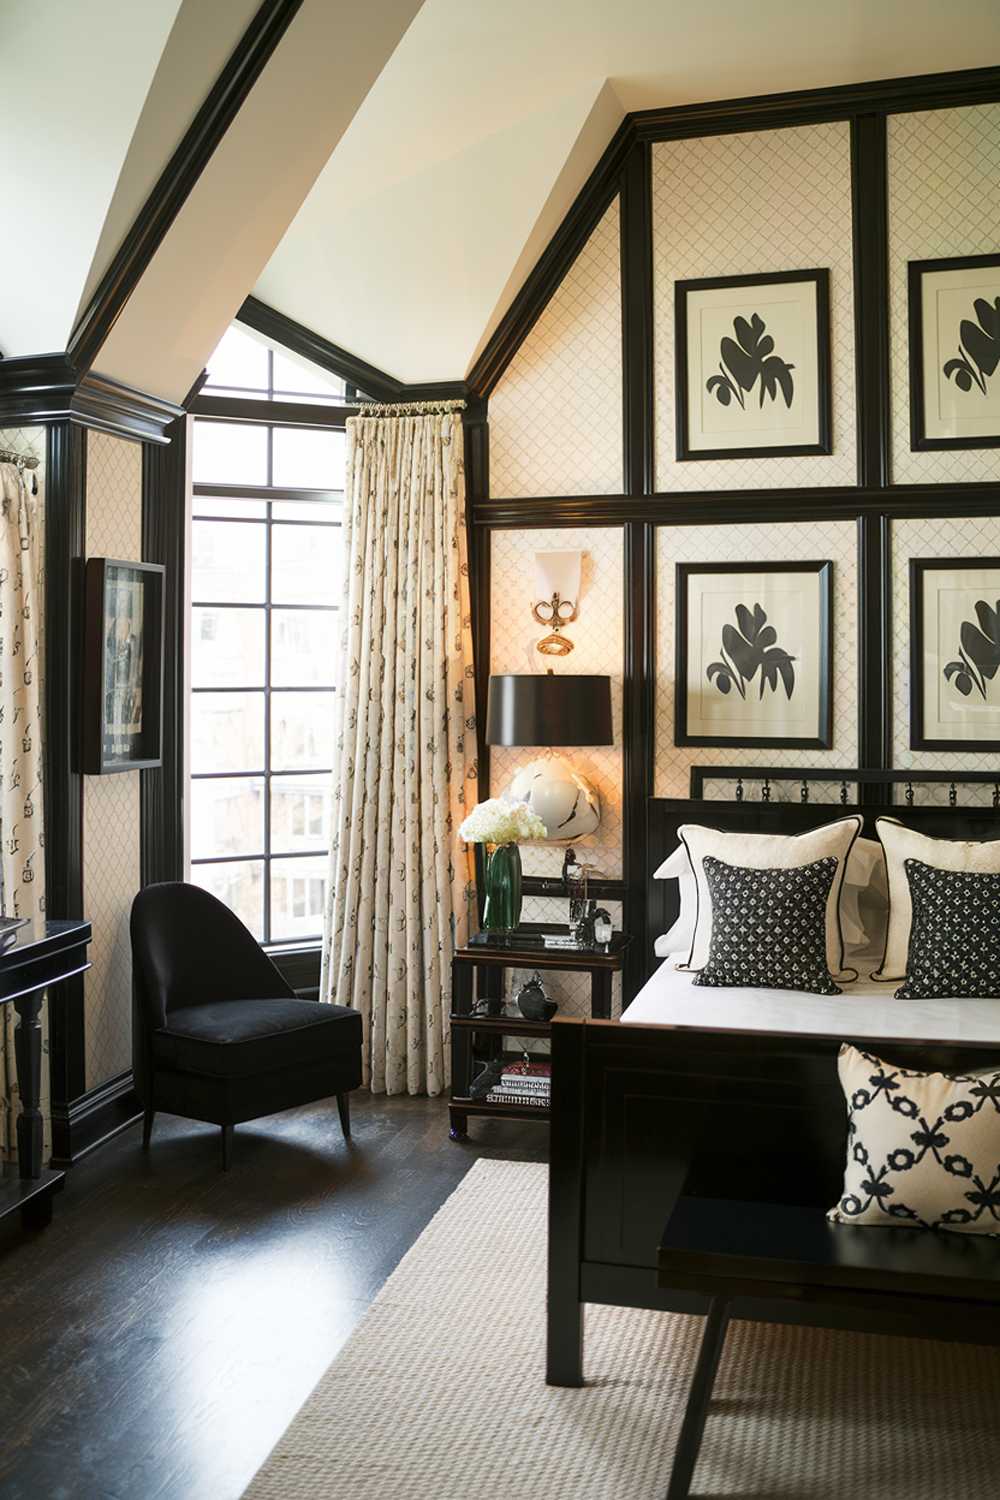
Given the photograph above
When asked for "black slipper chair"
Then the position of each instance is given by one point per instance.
(217, 1033)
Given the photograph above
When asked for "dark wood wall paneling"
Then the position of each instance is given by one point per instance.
(625, 169)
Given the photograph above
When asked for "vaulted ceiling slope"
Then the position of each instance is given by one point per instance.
(488, 117)
(396, 169)
(109, 89)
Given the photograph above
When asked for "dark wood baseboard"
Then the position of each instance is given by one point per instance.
(87, 1122)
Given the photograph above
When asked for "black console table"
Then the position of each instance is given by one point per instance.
(31, 958)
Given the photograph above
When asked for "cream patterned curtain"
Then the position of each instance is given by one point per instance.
(399, 876)
(21, 811)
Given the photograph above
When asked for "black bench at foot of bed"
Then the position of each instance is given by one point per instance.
(724, 1250)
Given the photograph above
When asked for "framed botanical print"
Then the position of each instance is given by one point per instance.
(123, 666)
(955, 653)
(753, 365)
(754, 658)
(954, 326)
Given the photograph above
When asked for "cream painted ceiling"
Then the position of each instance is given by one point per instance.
(398, 167)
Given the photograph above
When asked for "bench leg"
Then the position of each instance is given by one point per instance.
(699, 1396)
(344, 1109)
(564, 1342)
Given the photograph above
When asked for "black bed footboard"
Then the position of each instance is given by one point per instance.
(642, 1114)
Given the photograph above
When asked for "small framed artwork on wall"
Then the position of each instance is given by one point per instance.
(954, 325)
(754, 660)
(955, 653)
(123, 666)
(753, 366)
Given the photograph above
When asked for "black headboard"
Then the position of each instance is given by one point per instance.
(755, 810)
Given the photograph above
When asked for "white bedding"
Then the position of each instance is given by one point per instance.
(865, 1009)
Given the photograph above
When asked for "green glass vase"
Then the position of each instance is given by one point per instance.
(502, 911)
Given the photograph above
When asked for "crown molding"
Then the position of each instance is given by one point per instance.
(41, 389)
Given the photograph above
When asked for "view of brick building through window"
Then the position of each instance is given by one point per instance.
(266, 582)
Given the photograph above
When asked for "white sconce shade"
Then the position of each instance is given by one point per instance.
(558, 573)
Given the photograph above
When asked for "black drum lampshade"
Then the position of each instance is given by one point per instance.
(545, 709)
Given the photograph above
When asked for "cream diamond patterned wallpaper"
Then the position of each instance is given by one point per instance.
(951, 536)
(556, 415)
(775, 200)
(111, 854)
(599, 647)
(790, 541)
(944, 200)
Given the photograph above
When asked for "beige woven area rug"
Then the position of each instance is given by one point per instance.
(439, 1394)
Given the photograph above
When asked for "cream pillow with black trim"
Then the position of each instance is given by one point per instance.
(923, 1149)
(969, 857)
(770, 851)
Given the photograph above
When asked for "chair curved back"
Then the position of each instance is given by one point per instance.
(190, 949)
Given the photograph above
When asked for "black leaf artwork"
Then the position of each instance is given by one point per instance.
(748, 359)
(978, 348)
(750, 649)
(979, 652)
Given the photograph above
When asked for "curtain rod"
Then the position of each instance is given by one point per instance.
(406, 408)
(22, 460)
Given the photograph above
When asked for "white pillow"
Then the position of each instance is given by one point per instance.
(864, 900)
(677, 867)
(769, 851)
(923, 1149)
(901, 843)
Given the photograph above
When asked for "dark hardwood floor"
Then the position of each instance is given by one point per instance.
(159, 1336)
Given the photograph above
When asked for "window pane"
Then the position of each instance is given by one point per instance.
(228, 562)
(227, 817)
(240, 360)
(240, 886)
(227, 732)
(300, 813)
(229, 453)
(307, 458)
(327, 512)
(298, 898)
(215, 505)
(293, 375)
(303, 647)
(306, 565)
(301, 731)
(227, 647)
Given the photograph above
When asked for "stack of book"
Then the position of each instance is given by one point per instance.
(527, 1083)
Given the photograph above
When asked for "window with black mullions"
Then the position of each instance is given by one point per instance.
(266, 582)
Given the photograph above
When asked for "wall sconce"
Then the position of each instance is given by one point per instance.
(543, 709)
(557, 589)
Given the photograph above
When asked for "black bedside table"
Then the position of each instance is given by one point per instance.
(600, 963)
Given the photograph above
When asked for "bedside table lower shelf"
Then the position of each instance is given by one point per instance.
(467, 1019)
(460, 1109)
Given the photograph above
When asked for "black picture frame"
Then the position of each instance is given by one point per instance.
(820, 276)
(823, 739)
(107, 748)
(916, 271)
(919, 567)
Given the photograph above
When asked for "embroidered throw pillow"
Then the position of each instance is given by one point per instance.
(768, 851)
(954, 935)
(923, 1149)
(769, 927)
(900, 844)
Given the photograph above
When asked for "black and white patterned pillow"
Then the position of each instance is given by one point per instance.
(769, 927)
(954, 950)
(923, 1149)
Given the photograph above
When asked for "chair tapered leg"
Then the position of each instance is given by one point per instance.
(699, 1396)
(227, 1146)
(344, 1106)
(148, 1116)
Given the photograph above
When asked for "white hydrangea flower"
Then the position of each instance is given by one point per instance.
(500, 821)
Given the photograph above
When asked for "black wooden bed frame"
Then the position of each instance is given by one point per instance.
(643, 1116)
